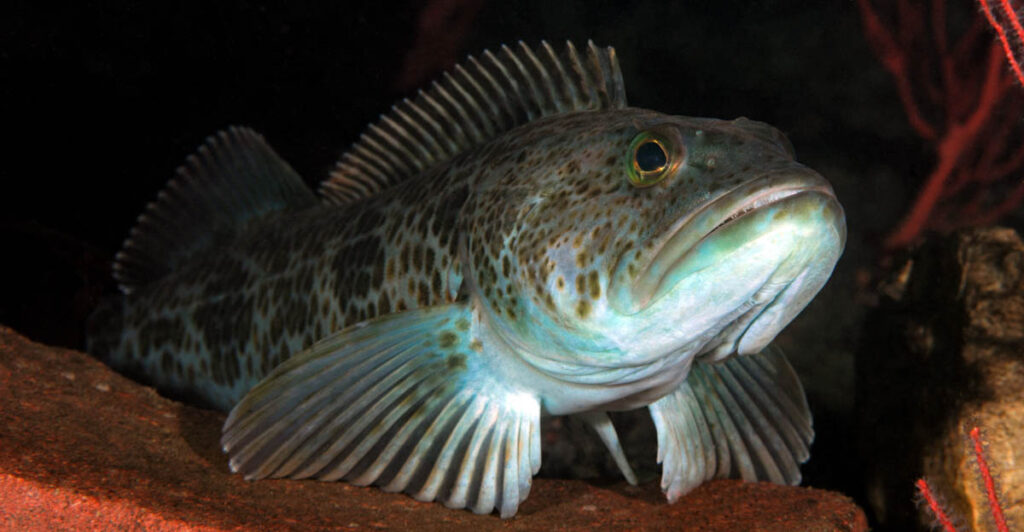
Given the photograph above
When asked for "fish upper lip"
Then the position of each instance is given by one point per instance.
(736, 203)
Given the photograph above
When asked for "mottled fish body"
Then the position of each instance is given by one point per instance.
(514, 241)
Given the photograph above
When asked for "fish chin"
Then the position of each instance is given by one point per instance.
(771, 309)
(731, 276)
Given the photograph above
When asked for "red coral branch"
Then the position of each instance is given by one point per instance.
(957, 139)
(933, 503)
(894, 59)
(1018, 31)
(990, 485)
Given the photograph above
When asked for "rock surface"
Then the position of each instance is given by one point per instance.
(82, 447)
(945, 353)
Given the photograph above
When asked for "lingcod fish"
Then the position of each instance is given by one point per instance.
(512, 242)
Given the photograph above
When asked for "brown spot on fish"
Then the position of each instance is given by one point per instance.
(446, 339)
(595, 286)
(456, 362)
(583, 309)
(582, 259)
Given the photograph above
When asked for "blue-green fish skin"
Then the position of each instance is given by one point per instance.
(575, 277)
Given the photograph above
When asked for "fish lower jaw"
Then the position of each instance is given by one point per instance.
(725, 216)
(797, 228)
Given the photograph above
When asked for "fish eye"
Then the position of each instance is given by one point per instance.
(651, 159)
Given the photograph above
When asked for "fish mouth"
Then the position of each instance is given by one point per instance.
(676, 253)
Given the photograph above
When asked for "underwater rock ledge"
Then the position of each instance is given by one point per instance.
(82, 447)
(943, 353)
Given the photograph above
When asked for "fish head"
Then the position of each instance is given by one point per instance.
(612, 246)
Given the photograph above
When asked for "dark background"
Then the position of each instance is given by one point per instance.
(100, 101)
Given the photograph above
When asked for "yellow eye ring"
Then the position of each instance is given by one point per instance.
(651, 159)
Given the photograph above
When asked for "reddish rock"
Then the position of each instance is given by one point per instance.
(82, 447)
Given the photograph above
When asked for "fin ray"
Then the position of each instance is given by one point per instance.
(602, 424)
(476, 102)
(743, 417)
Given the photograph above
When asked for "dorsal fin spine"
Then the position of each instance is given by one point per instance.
(380, 165)
(598, 94)
(462, 127)
(495, 116)
(584, 79)
(397, 125)
(374, 140)
(551, 82)
(400, 156)
(585, 92)
(474, 102)
(602, 92)
(429, 153)
(616, 77)
(456, 125)
(370, 169)
(565, 84)
(526, 82)
(362, 186)
(604, 70)
(360, 157)
(547, 96)
(438, 136)
(507, 99)
(535, 99)
(480, 99)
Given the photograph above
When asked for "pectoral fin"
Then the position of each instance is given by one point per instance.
(405, 401)
(745, 417)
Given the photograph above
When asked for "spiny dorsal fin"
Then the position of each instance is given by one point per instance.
(233, 178)
(479, 100)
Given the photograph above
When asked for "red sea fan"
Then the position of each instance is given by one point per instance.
(959, 97)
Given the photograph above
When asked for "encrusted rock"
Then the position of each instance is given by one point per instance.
(942, 354)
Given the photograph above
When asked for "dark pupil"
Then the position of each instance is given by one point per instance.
(650, 157)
